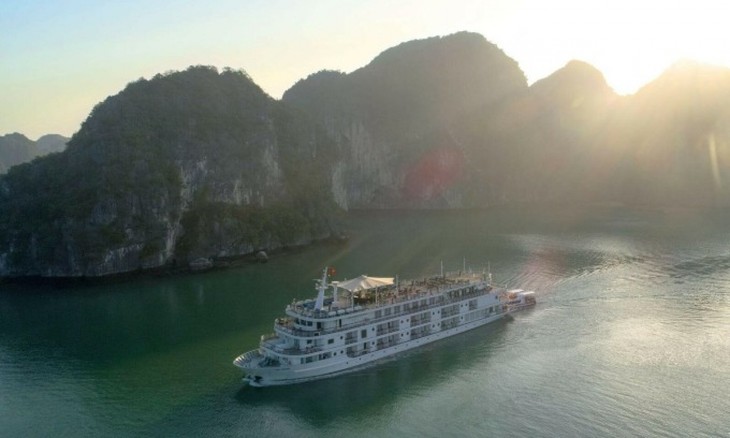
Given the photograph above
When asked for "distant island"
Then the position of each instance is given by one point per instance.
(203, 164)
(17, 149)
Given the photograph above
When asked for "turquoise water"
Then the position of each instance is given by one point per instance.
(631, 337)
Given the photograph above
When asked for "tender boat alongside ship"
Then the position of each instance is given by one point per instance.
(369, 318)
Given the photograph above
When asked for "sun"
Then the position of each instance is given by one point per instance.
(631, 42)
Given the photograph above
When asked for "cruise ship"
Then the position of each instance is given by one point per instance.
(356, 322)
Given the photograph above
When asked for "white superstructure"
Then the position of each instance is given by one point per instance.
(369, 318)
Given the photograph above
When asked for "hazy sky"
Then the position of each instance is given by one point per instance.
(58, 58)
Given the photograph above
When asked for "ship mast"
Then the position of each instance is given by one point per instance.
(321, 288)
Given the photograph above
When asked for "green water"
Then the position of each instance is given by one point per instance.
(631, 337)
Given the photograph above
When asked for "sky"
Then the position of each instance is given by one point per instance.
(59, 58)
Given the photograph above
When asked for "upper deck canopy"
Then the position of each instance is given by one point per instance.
(363, 282)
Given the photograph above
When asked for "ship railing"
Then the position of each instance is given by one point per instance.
(418, 291)
(352, 354)
(420, 333)
(249, 357)
(268, 336)
(291, 351)
(449, 313)
(419, 322)
(385, 344)
(386, 331)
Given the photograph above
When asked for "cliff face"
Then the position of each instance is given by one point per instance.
(396, 119)
(449, 122)
(186, 165)
(544, 144)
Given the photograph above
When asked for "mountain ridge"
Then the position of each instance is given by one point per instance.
(202, 163)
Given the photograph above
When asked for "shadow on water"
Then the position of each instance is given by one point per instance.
(376, 389)
(700, 267)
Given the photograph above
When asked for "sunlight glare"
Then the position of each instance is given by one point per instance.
(630, 42)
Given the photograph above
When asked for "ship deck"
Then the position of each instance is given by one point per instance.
(385, 296)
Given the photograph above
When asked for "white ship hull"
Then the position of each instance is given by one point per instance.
(286, 376)
(314, 343)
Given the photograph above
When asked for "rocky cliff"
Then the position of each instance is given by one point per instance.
(397, 120)
(185, 165)
(449, 122)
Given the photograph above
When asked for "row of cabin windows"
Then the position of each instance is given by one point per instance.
(319, 357)
(307, 323)
(329, 341)
(364, 332)
(396, 309)
(416, 332)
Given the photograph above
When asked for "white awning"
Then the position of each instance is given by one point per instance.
(363, 282)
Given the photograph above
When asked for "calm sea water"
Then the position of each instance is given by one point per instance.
(631, 337)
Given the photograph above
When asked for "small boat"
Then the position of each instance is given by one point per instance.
(520, 299)
(356, 322)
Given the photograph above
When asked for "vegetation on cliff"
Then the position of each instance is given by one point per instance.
(180, 166)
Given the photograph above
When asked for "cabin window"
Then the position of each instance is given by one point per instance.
(363, 333)
(330, 341)
(309, 341)
(378, 313)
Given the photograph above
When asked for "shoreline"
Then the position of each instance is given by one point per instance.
(218, 264)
